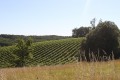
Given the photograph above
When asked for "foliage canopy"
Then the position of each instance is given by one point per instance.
(80, 32)
(104, 38)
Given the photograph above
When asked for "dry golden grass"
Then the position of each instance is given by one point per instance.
(75, 71)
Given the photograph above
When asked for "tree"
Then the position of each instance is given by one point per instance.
(23, 52)
(80, 32)
(92, 22)
(104, 38)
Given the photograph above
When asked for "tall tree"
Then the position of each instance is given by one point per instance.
(92, 22)
(103, 38)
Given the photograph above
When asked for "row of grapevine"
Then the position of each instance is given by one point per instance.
(6, 56)
(46, 53)
(56, 51)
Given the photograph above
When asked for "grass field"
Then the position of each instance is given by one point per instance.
(74, 71)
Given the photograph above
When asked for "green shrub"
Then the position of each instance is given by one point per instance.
(22, 53)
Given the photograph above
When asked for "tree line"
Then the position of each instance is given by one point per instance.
(8, 40)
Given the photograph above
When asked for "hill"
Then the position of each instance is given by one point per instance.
(45, 53)
(8, 40)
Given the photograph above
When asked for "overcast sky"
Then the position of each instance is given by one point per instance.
(54, 17)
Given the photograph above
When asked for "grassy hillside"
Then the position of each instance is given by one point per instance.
(46, 53)
(75, 71)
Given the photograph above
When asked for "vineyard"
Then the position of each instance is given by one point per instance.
(45, 53)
